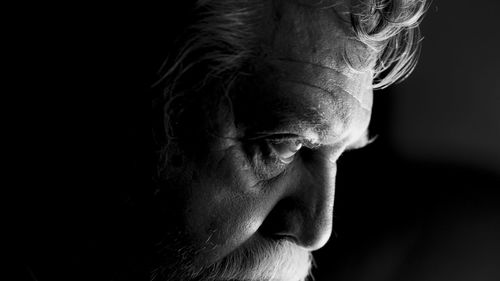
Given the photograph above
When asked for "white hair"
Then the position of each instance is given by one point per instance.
(263, 261)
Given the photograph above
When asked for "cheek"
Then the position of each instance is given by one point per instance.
(220, 221)
(225, 209)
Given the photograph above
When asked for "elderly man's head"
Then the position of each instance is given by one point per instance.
(260, 99)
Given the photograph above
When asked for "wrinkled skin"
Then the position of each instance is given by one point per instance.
(302, 90)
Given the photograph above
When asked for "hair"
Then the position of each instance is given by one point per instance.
(391, 28)
(218, 46)
(262, 261)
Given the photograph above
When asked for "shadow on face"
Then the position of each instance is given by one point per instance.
(260, 187)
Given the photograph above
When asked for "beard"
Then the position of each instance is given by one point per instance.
(262, 260)
(257, 259)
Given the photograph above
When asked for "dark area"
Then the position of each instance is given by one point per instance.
(409, 220)
(423, 201)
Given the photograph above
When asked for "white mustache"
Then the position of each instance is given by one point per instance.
(269, 260)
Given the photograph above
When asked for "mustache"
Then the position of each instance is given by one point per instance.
(263, 260)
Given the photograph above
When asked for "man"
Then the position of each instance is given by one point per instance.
(260, 99)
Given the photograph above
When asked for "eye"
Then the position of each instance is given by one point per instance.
(269, 156)
(286, 149)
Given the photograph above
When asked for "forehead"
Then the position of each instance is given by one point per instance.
(313, 77)
(295, 103)
(319, 67)
(318, 32)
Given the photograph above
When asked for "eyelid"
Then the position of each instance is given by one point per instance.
(286, 149)
(265, 162)
(270, 154)
(283, 137)
(273, 136)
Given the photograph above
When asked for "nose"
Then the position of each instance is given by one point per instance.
(304, 212)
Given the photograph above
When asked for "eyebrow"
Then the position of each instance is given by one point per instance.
(288, 130)
(308, 124)
(293, 119)
(288, 125)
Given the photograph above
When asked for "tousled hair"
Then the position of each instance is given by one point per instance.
(223, 37)
(391, 28)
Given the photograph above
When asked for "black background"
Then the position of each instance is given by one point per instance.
(423, 202)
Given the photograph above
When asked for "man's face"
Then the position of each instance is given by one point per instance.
(261, 199)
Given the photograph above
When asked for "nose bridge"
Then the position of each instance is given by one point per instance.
(317, 190)
(310, 219)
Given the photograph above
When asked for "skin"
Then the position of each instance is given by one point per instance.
(302, 92)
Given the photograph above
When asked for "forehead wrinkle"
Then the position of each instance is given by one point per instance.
(328, 79)
(311, 121)
(307, 122)
(311, 34)
(334, 116)
(364, 55)
(334, 68)
(355, 58)
(331, 92)
(358, 56)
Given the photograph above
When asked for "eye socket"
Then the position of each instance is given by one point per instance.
(286, 149)
(269, 156)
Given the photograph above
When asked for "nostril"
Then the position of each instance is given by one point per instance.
(291, 220)
(284, 236)
(283, 222)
